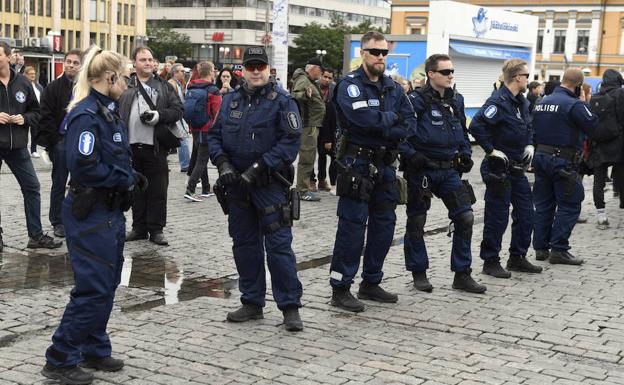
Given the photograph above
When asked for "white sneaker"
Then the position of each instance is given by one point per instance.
(207, 195)
(35, 155)
(332, 191)
(603, 221)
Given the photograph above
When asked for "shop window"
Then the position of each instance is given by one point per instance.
(582, 41)
(560, 39)
(540, 41)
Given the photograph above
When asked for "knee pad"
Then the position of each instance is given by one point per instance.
(416, 226)
(463, 224)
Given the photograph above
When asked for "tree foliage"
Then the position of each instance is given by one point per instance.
(164, 41)
(329, 38)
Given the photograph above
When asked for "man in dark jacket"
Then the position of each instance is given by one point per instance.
(51, 135)
(19, 109)
(610, 152)
(149, 156)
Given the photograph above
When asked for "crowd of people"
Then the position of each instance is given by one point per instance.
(111, 131)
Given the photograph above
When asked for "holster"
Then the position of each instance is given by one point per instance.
(219, 191)
(470, 190)
(569, 177)
(422, 195)
(295, 204)
(498, 184)
(84, 201)
(351, 184)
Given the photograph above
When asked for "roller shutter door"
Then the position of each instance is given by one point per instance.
(475, 77)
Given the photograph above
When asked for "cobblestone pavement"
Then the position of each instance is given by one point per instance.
(565, 326)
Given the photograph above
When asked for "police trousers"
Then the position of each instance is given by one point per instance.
(95, 247)
(353, 216)
(248, 222)
(447, 185)
(499, 194)
(558, 201)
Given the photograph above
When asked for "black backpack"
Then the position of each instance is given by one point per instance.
(604, 106)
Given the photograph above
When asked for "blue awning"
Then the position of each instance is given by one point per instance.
(490, 51)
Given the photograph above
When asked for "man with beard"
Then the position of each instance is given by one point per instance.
(441, 152)
(502, 128)
(375, 117)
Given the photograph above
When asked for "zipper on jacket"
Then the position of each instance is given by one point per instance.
(6, 88)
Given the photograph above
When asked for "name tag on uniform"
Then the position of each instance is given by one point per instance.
(360, 104)
(373, 102)
(436, 113)
(236, 114)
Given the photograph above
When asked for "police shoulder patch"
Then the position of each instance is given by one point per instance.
(20, 96)
(490, 112)
(353, 91)
(86, 143)
(293, 120)
(117, 137)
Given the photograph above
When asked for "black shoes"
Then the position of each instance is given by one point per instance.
(564, 258)
(292, 320)
(421, 282)
(246, 312)
(159, 239)
(493, 267)
(106, 364)
(1, 243)
(135, 235)
(463, 281)
(521, 264)
(374, 292)
(59, 231)
(70, 375)
(43, 242)
(342, 298)
(542, 255)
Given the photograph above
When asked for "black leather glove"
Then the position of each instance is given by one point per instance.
(465, 163)
(227, 173)
(417, 162)
(140, 182)
(249, 177)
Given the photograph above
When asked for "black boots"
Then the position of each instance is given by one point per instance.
(106, 364)
(542, 255)
(493, 267)
(342, 298)
(463, 281)
(70, 375)
(521, 264)
(292, 320)
(245, 313)
(421, 282)
(374, 292)
(564, 258)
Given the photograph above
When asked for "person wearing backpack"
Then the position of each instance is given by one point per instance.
(201, 104)
(606, 144)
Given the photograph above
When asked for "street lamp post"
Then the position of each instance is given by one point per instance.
(320, 53)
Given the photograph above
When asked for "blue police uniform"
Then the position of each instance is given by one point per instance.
(263, 126)
(503, 123)
(559, 121)
(441, 136)
(375, 117)
(98, 156)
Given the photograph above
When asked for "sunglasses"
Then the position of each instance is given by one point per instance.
(251, 67)
(446, 72)
(377, 51)
(525, 75)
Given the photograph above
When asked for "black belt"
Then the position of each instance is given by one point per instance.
(142, 145)
(568, 153)
(433, 164)
(357, 151)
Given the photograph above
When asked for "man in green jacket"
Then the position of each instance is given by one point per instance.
(308, 95)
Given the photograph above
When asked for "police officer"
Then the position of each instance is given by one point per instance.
(502, 128)
(375, 116)
(440, 151)
(559, 121)
(98, 159)
(254, 141)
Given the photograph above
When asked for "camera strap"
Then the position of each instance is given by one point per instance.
(148, 100)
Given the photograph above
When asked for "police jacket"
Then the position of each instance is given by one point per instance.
(441, 130)
(312, 108)
(560, 119)
(503, 123)
(252, 125)
(96, 144)
(373, 114)
(17, 98)
(54, 100)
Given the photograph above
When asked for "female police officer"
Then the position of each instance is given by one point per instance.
(98, 158)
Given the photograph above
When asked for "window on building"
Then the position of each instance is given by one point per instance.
(31, 4)
(48, 7)
(92, 38)
(7, 30)
(31, 32)
(560, 39)
(132, 14)
(102, 10)
(78, 42)
(70, 40)
(582, 41)
(70, 9)
(15, 31)
(78, 9)
(63, 10)
(93, 10)
(7, 5)
(40, 32)
(39, 7)
(540, 41)
(118, 14)
(103, 40)
(119, 47)
(125, 15)
(16, 6)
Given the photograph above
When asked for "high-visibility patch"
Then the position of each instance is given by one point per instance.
(86, 143)
(490, 112)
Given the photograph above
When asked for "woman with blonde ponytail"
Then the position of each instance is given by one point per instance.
(102, 180)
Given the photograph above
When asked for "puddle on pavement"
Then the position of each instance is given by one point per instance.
(149, 271)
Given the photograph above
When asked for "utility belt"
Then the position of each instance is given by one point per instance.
(85, 199)
(352, 184)
(567, 153)
(433, 164)
(376, 156)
